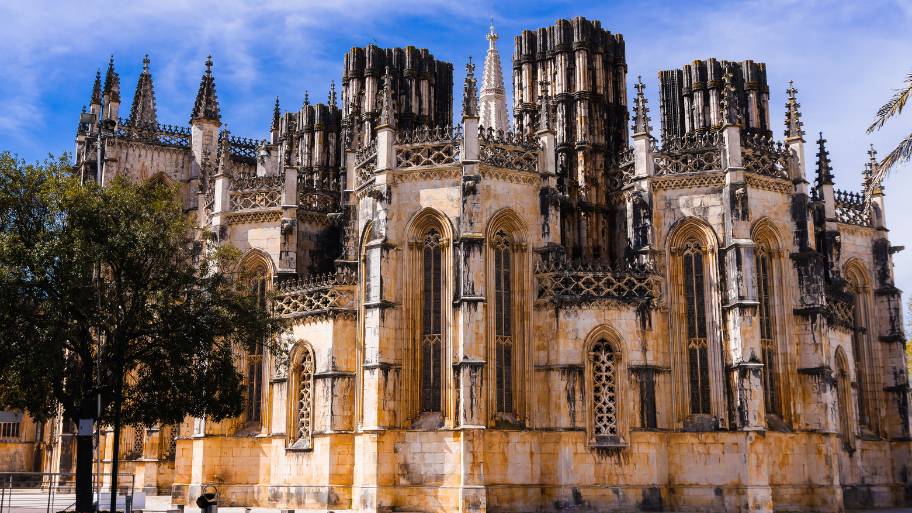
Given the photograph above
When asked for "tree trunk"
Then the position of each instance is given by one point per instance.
(84, 457)
(115, 457)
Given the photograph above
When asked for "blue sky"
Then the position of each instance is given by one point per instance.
(845, 58)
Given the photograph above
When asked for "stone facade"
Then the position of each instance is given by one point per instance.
(570, 315)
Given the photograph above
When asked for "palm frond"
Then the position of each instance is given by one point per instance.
(902, 153)
(894, 106)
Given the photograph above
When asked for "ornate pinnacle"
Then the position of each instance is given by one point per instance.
(824, 171)
(640, 110)
(224, 151)
(873, 178)
(112, 83)
(793, 124)
(730, 108)
(96, 89)
(332, 93)
(306, 98)
(276, 114)
(387, 109)
(492, 100)
(470, 92)
(492, 36)
(143, 110)
(544, 107)
(206, 105)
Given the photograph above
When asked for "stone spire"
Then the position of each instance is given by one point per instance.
(640, 109)
(493, 100)
(306, 98)
(824, 171)
(276, 114)
(112, 83)
(544, 106)
(731, 111)
(332, 93)
(793, 124)
(206, 105)
(96, 89)
(470, 92)
(143, 109)
(387, 107)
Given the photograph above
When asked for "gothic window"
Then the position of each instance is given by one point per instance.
(697, 343)
(843, 403)
(859, 351)
(767, 330)
(503, 321)
(604, 365)
(254, 371)
(302, 393)
(431, 325)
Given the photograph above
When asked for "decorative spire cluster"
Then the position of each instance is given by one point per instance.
(793, 124)
(96, 89)
(206, 105)
(470, 92)
(143, 110)
(387, 107)
(824, 170)
(640, 110)
(730, 108)
(493, 105)
(112, 83)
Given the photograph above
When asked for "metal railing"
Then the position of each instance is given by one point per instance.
(34, 492)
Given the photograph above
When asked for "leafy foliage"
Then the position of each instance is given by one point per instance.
(93, 280)
(903, 151)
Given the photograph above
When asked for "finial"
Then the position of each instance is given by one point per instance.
(146, 62)
(731, 110)
(544, 108)
(306, 98)
(112, 82)
(96, 89)
(332, 93)
(206, 105)
(793, 124)
(276, 114)
(492, 35)
(640, 109)
(824, 170)
(470, 92)
(387, 109)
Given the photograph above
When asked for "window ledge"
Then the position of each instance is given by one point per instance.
(608, 442)
(300, 445)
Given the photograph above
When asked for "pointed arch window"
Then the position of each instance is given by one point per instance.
(604, 368)
(767, 329)
(503, 321)
(843, 403)
(432, 322)
(302, 396)
(859, 351)
(697, 343)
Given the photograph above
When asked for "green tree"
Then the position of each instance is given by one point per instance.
(104, 292)
(903, 151)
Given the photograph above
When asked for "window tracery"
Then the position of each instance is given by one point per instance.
(767, 330)
(697, 343)
(302, 392)
(431, 325)
(604, 369)
(503, 326)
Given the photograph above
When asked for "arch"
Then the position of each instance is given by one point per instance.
(605, 378)
(766, 232)
(507, 220)
(426, 218)
(163, 178)
(689, 228)
(301, 400)
(254, 257)
(857, 274)
(256, 268)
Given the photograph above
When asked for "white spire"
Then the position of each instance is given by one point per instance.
(493, 101)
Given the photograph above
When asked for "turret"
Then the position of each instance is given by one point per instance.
(143, 111)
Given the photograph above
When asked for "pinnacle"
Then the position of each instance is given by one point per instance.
(143, 110)
(96, 89)
(793, 124)
(493, 104)
(332, 93)
(206, 105)
(824, 171)
(640, 109)
(112, 82)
